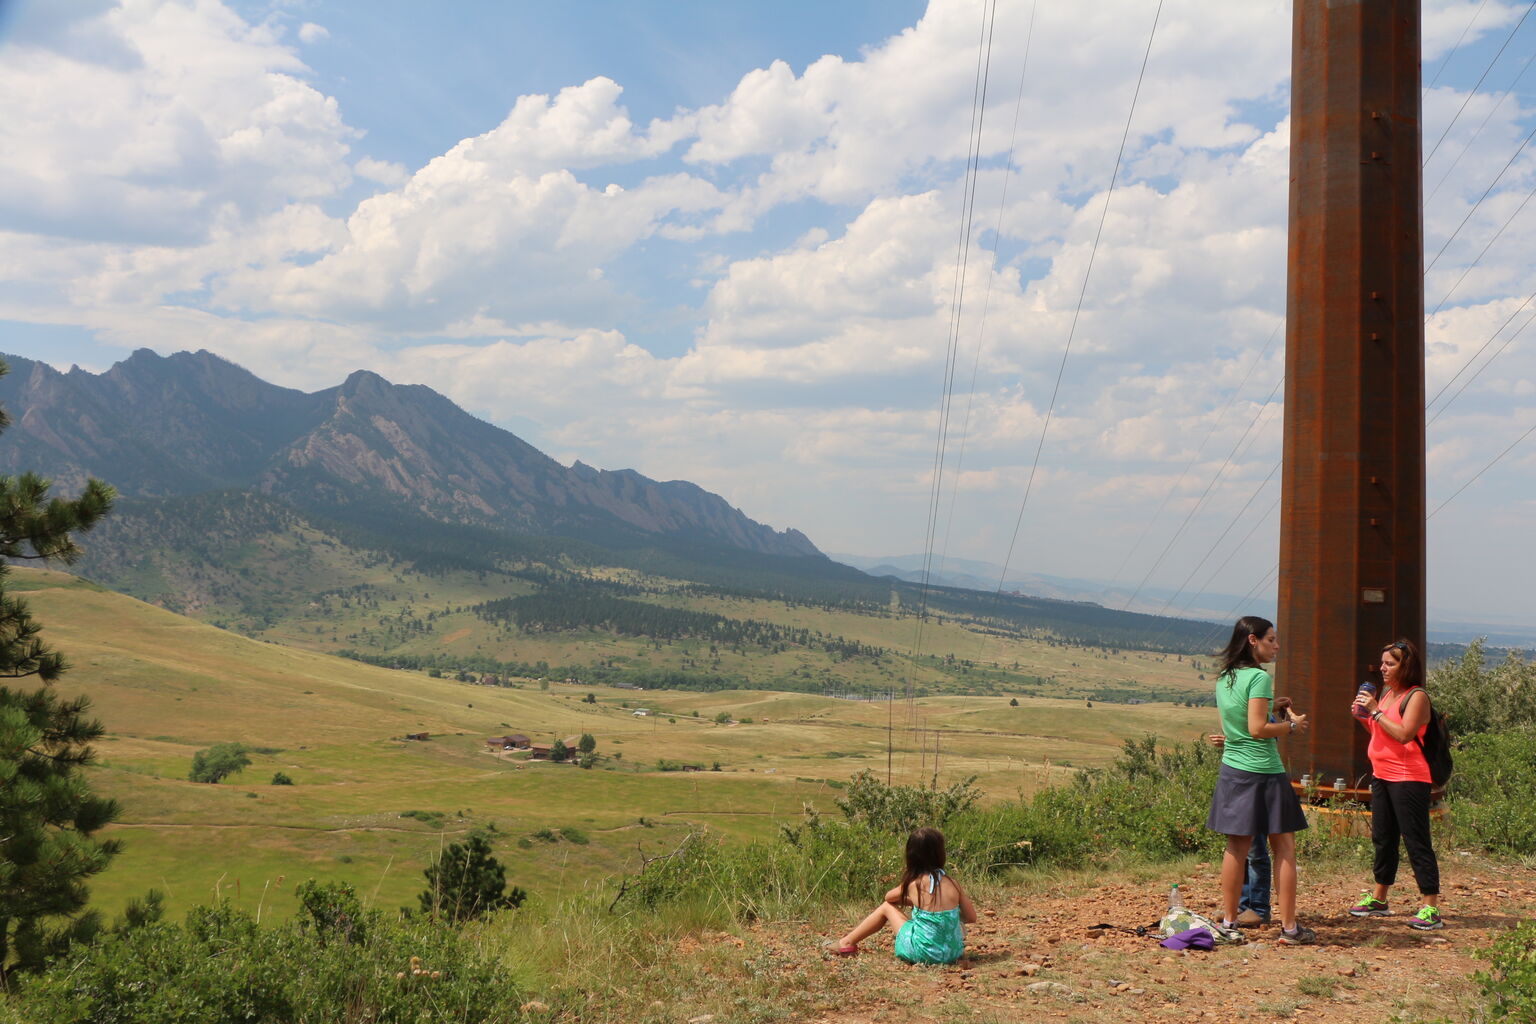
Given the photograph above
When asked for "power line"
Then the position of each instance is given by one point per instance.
(967, 209)
(1529, 430)
(1486, 192)
(1457, 47)
(1231, 399)
(1464, 367)
(986, 302)
(1083, 291)
(1471, 266)
(1479, 85)
(1486, 118)
(1205, 494)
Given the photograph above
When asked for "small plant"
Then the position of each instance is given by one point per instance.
(1319, 985)
(1509, 984)
(281, 779)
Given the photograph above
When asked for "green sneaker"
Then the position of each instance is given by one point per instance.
(1369, 906)
(1427, 920)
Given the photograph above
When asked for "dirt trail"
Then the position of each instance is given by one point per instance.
(1361, 970)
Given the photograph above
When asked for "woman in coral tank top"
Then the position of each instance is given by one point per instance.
(1400, 789)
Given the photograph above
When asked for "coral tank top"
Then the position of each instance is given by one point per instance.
(1392, 761)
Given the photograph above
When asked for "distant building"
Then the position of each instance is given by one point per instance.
(641, 712)
(418, 735)
(516, 741)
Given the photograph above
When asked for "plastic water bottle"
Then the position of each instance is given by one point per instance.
(1366, 687)
(1174, 902)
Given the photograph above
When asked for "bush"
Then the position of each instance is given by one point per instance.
(219, 966)
(1493, 793)
(467, 882)
(898, 810)
(281, 779)
(217, 762)
(1510, 984)
(1476, 698)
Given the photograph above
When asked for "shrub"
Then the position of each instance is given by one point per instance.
(467, 882)
(898, 810)
(1510, 984)
(219, 966)
(332, 911)
(281, 779)
(1476, 698)
(217, 762)
(1493, 793)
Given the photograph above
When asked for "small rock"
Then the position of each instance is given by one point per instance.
(1347, 972)
(534, 1006)
(1050, 988)
(989, 913)
(704, 1019)
(1138, 991)
(1029, 970)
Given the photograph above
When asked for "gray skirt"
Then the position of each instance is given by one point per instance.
(1254, 804)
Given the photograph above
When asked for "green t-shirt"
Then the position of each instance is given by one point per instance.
(1242, 750)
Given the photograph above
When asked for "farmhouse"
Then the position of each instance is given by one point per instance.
(516, 741)
(544, 752)
(641, 712)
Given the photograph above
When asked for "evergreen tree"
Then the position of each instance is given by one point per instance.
(468, 882)
(48, 817)
(587, 743)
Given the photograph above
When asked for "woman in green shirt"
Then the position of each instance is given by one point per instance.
(1253, 793)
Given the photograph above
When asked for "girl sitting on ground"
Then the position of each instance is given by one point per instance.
(934, 934)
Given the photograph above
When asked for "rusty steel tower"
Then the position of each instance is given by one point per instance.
(1352, 492)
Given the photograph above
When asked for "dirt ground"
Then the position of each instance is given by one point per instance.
(1361, 970)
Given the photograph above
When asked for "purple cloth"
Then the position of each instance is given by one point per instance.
(1191, 938)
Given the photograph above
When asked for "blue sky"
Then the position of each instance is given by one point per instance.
(718, 242)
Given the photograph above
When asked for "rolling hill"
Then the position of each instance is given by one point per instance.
(370, 807)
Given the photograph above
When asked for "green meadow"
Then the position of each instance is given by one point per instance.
(371, 808)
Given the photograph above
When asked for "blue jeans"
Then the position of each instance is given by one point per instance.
(1256, 887)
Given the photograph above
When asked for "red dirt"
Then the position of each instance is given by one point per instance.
(1361, 970)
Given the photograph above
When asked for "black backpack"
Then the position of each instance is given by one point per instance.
(1436, 743)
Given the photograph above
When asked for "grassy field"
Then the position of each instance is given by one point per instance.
(402, 612)
(371, 808)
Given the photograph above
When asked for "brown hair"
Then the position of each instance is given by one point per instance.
(925, 855)
(1411, 669)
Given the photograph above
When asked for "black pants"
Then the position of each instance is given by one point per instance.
(1400, 810)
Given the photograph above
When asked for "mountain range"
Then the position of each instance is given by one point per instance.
(192, 423)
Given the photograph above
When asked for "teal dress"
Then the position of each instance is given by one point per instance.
(931, 936)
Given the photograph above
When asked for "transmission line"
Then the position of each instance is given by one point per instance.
(1082, 292)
